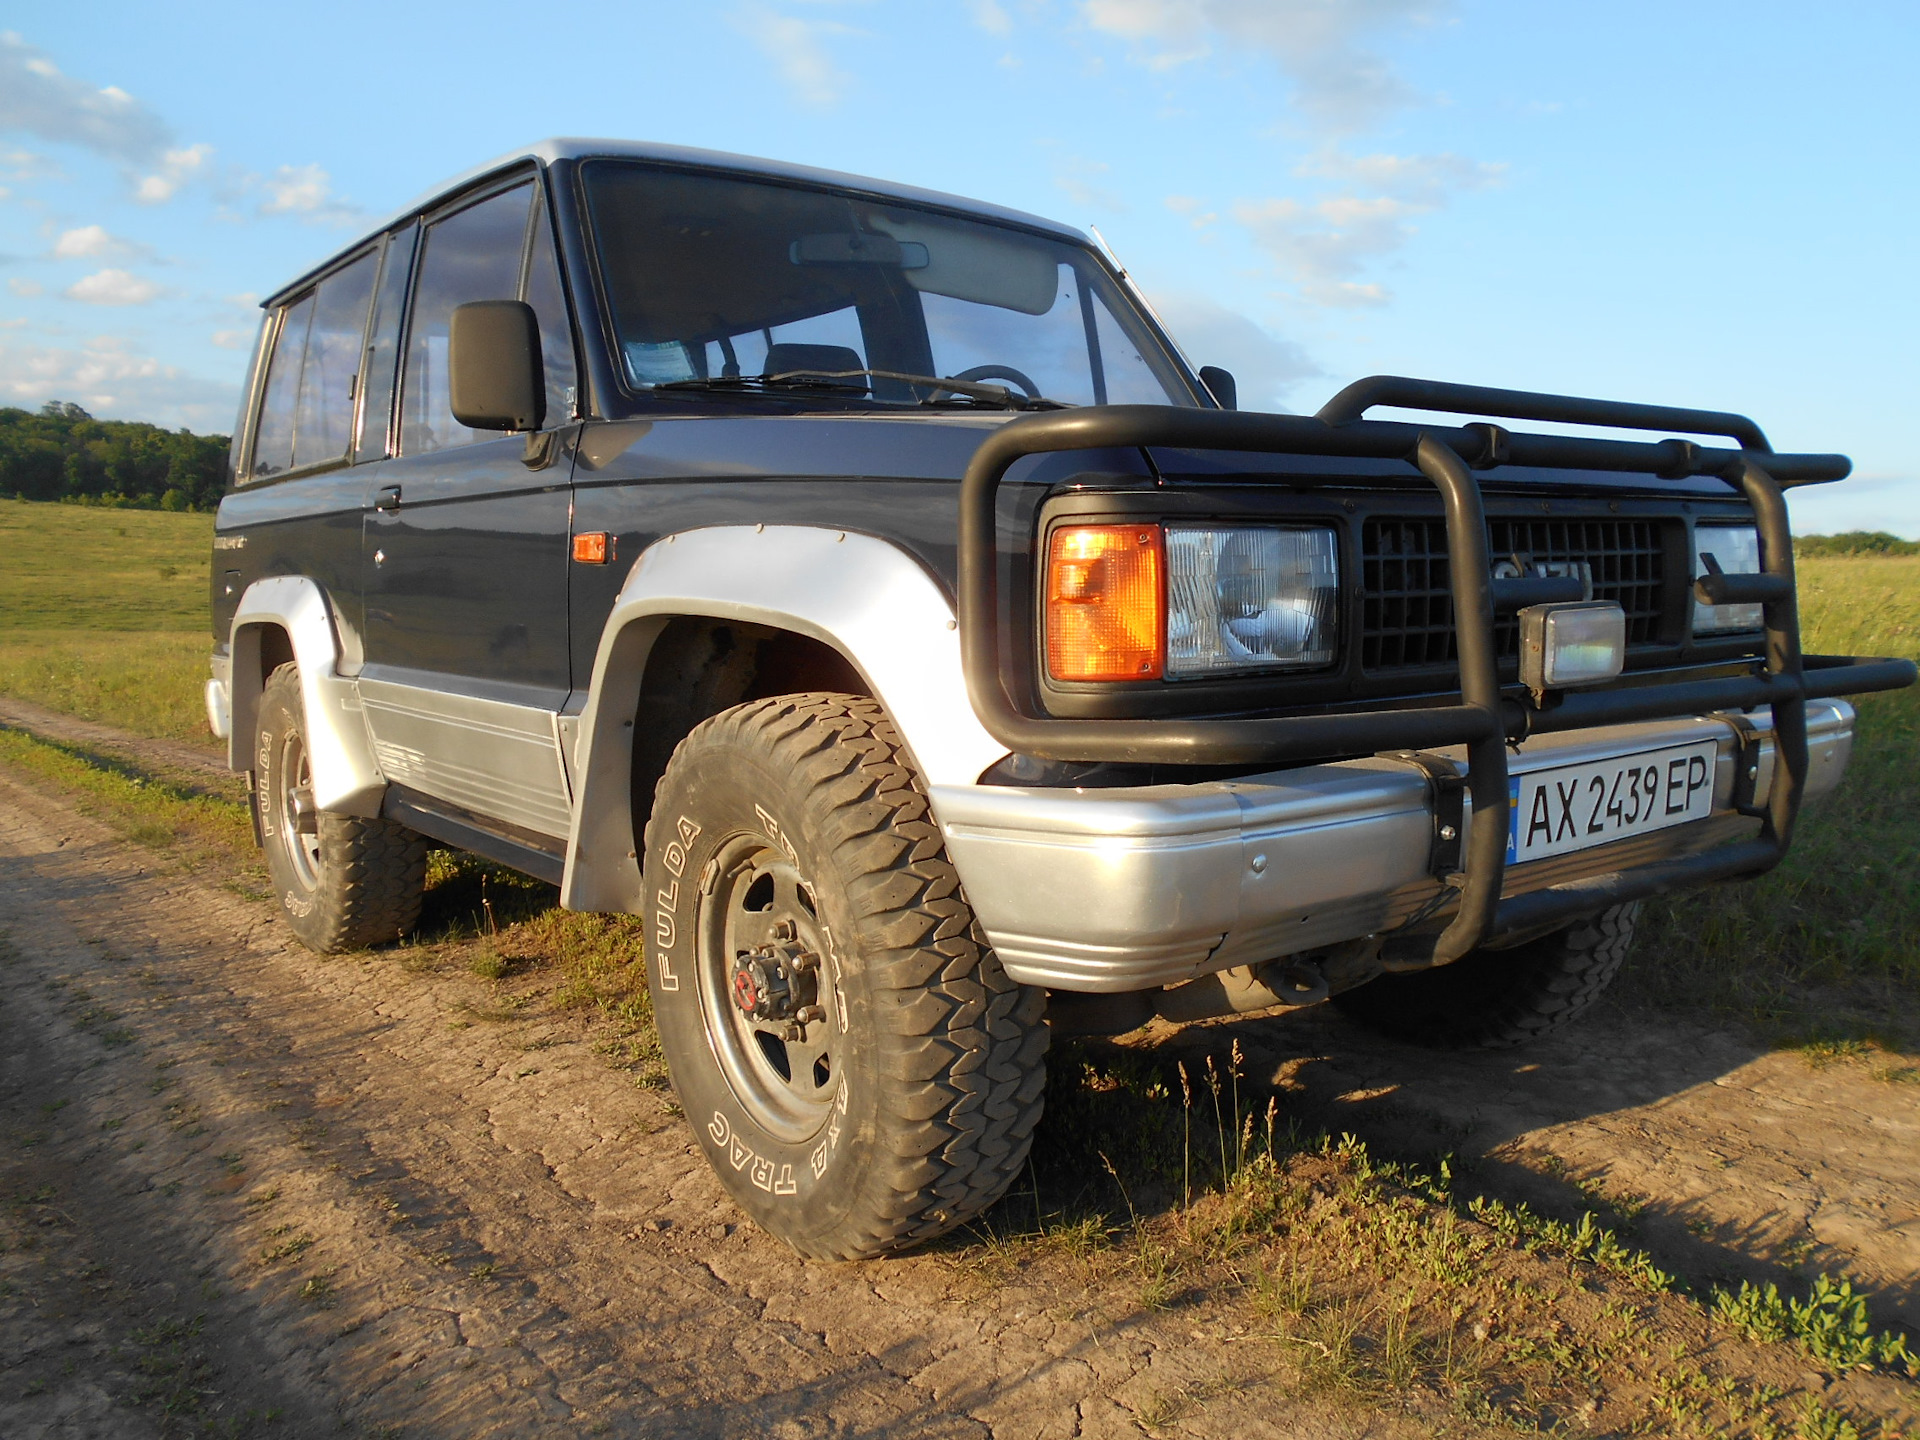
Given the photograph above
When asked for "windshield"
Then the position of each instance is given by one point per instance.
(721, 279)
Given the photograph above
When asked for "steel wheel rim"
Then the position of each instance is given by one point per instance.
(790, 1100)
(303, 851)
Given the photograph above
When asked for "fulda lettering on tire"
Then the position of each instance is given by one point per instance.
(343, 882)
(860, 1071)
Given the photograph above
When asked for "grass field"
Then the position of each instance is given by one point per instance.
(1398, 1287)
(103, 615)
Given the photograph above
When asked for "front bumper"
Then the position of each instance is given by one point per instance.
(1129, 889)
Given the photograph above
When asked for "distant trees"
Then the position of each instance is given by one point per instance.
(61, 452)
(1855, 542)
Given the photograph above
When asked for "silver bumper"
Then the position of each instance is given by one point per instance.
(1128, 889)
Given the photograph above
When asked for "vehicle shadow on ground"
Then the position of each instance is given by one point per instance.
(1642, 1119)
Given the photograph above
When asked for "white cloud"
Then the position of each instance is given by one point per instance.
(1420, 179)
(1323, 246)
(1265, 367)
(25, 165)
(35, 97)
(297, 188)
(794, 46)
(176, 168)
(114, 380)
(233, 339)
(20, 285)
(86, 240)
(113, 287)
(1338, 83)
(1075, 177)
(306, 191)
(988, 15)
(1194, 208)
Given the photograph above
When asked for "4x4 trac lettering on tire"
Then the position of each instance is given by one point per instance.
(859, 1069)
(342, 881)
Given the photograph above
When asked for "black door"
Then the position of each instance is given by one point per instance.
(465, 558)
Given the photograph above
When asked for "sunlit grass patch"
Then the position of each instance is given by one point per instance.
(1823, 948)
(153, 808)
(1395, 1283)
(145, 682)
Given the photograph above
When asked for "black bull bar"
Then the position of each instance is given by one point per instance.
(1484, 720)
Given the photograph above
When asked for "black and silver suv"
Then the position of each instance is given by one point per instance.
(858, 584)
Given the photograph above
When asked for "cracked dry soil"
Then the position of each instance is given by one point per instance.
(254, 1185)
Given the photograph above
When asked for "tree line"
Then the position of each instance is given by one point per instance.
(1855, 542)
(60, 452)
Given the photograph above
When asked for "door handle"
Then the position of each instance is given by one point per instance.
(388, 499)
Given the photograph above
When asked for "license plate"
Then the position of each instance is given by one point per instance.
(1572, 807)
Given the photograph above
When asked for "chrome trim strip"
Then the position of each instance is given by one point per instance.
(1128, 889)
(487, 756)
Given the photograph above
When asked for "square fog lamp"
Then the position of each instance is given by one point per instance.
(1563, 647)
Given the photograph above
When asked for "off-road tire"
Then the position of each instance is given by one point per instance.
(937, 1058)
(1496, 998)
(356, 882)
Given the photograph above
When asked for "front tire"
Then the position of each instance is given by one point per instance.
(1496, 998)
(859, 1070)
(343, 882)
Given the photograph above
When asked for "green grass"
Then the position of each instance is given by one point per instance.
(72, 567)
(1824, 948)
(103, 614)
(91, 625)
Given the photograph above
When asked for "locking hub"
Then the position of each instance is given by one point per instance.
(776, 982)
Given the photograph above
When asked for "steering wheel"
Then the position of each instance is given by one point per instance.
(999, 372)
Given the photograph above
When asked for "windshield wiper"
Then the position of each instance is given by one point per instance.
(996, 395)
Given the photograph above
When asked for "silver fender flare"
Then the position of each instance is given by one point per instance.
(866, 598)
(346, 778)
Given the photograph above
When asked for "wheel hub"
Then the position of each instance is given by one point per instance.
(779, 982)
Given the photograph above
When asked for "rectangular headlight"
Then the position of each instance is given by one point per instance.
(1250, 597)
(1737, 548)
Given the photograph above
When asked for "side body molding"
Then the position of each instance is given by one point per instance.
(866, 598)
(346, 778)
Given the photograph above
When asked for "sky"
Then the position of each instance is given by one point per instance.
(1694, 203)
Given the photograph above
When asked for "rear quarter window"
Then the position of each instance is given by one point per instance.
(306, 405)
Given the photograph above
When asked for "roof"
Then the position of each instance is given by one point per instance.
(546, 151)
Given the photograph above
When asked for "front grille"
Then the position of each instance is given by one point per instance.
(1407, 615)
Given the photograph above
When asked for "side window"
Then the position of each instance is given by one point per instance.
(473, 254)
(383, 346)
(273, 435)
(323, 418)
(548, 297)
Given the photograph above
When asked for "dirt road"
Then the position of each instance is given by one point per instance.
(248, 1182)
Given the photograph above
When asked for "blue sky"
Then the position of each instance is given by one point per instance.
(1699, 203)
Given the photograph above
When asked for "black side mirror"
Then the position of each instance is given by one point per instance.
(494, 373)
(1221, 386)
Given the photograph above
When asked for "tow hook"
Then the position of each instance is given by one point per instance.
(777, 982)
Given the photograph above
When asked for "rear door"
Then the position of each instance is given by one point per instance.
(299, 498)
(465, 552)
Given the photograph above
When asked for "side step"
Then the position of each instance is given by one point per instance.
(531, 853)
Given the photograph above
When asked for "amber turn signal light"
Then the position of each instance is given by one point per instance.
(592, 548)
(1106, 603)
